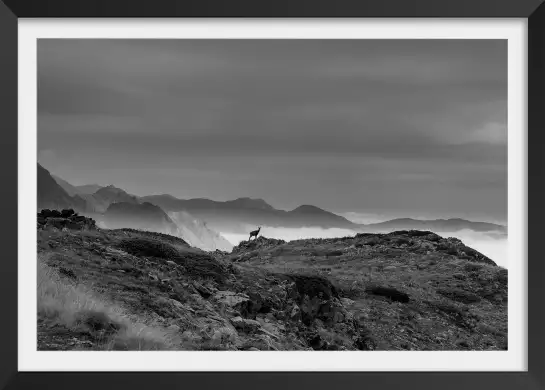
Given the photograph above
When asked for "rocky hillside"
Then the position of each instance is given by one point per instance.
(407, 290)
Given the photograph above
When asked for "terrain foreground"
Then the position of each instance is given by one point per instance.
(133, 290)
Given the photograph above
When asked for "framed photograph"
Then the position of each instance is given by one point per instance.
(304, 194)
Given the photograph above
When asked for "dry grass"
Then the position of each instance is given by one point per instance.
(83, 312)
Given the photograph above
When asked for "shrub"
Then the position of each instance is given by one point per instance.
(388, 292)
(314, 286)
(148, 247)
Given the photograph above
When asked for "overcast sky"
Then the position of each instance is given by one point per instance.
(377, 126)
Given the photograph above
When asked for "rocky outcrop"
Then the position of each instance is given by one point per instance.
(65, 219)
(423, 242)
(258, 243)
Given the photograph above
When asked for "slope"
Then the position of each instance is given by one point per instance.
(406, 290)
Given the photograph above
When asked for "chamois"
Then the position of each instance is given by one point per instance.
(254, 233)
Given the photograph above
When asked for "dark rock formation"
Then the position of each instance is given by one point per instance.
(66, 218)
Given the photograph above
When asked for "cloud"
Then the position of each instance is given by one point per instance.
(493, 133)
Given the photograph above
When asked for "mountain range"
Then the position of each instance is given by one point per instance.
(203, 219)
(236, 216)
(436, 225)
(114, 208)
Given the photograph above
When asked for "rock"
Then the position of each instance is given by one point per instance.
(346, 301)
(390, 268)
(65, 219)
(202, 290)
(191, 336)
(245, 325)
(262, 303)
(234, 301)
(67, 213)
(224, 335)
(252, 349)
(172, 306)
(317, 343)
(173, 328)
(273, 329)
(332, 312)
(294, 313)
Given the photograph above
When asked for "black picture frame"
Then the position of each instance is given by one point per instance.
(532, 10)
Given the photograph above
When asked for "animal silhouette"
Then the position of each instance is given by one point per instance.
(254, 233)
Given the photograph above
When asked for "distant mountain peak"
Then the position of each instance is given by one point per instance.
(111, 189)
(307, 208)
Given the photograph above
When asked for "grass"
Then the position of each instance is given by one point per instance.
(84, 313)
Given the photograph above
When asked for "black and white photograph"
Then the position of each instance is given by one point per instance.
(272, 195)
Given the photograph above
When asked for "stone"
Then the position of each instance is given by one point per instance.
(346, 301)
(245, 325)
(294, 313)
(234, 301)
(223, 335)
(191, 336)
(173, 328)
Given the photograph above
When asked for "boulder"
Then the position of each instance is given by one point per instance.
(234, 301)
(191, 337)
(67, 213)
(294, 313)
(245, 325)
(173, 328)
(223, 335)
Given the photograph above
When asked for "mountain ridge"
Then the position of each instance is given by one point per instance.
(243, 213)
